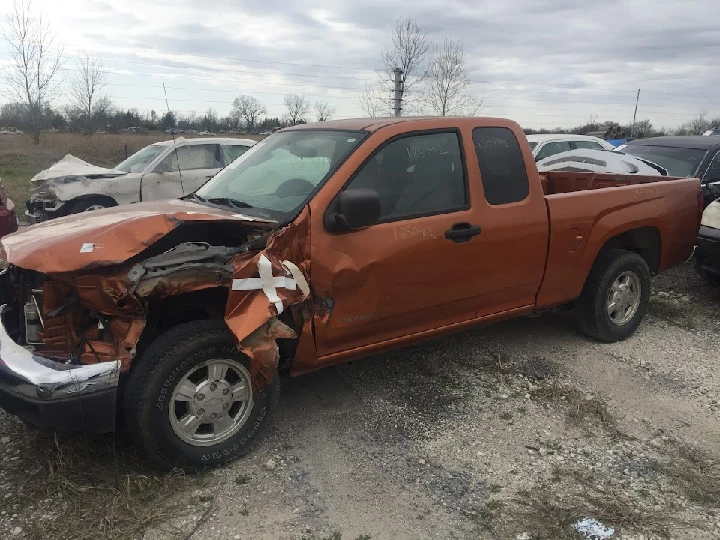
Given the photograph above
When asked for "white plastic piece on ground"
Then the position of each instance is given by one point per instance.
(711, 215)
(593, 529)
(599, 161)
(73, 166)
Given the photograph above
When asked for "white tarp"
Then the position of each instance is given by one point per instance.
(73, 166)
(600, 161)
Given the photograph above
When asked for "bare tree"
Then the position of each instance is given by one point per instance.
(372, 103)
(699, 124)
(324, 110)
(643, 128)
(297, 107)
(447, 80)
(31, 72)
(249, 109)
(408, 52)
(696, 126)
(86, 91)
(410, 47)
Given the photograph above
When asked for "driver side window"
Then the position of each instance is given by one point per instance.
(417, 175)
(196, 157)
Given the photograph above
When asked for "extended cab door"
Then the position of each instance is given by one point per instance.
(440, 254)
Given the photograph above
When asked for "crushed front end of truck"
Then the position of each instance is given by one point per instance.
(83, 296)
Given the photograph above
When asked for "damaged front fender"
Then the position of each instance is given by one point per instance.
(99, 315)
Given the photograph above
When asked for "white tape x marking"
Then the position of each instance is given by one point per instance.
(269, 283)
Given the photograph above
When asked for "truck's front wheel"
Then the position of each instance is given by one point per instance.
(189, 402)
(615, 297)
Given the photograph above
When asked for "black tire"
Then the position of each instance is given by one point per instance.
(84, 205)
(590, 308)
(151, 383)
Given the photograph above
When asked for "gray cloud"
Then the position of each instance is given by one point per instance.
(540, 61)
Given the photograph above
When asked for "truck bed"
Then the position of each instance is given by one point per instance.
(554, 182)
(586, 210)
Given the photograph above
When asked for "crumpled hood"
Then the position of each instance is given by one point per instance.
(74, 167)
(104, 237)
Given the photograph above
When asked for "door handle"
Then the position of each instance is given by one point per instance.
(462, 232)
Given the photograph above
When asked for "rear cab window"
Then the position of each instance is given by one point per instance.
(502, 168)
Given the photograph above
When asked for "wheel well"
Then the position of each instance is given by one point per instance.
(206, 304)
(109, 201)
(175, 310)
(645, 241)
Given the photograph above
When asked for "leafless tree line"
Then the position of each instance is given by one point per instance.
(32, 74)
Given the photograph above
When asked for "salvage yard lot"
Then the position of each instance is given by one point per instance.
(20, 159)
(523, 427)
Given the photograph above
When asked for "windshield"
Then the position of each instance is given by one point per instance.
(533, 145)
(677, 161)
(275, 177)
(139, 160)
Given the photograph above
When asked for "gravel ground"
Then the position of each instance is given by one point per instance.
(516, 431)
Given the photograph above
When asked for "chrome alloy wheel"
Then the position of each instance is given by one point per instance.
(211, 402)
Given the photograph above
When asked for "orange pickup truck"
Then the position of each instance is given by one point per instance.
(321, 244)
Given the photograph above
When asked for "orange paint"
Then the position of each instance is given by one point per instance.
(382, 286)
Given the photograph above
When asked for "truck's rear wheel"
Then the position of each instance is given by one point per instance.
(615, 297)
(189, 401)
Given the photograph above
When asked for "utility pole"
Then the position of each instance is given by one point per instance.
(634, 131)
(398, 90)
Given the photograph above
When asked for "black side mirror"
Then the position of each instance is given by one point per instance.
(356, 208)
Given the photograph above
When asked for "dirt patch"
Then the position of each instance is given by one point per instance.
(518, 430)
(84, 488)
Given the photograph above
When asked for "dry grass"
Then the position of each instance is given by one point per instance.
(550, 509)
(580, 407)
(20, 159)
(84, 488)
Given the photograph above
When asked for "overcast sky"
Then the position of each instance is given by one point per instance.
(549, 63)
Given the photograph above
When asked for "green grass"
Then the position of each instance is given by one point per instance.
(16, 180)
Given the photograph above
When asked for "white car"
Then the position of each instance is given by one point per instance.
(599, 161)
(546, 145)
(164, 170)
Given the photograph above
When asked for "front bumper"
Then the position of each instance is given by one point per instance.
(707, 253)
(40, 209)
(59, 396)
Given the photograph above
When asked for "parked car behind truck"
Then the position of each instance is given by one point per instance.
(696, 156)
(164, 170)
(323, 243)
(545, 145)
